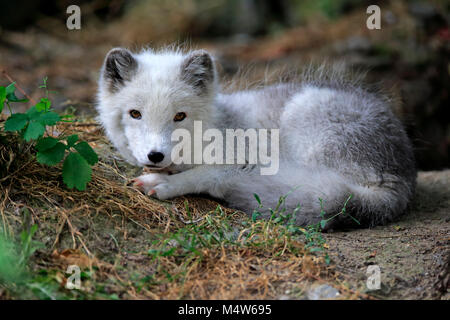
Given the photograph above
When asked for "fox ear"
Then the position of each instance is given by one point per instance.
(119, 66)
(198, 70)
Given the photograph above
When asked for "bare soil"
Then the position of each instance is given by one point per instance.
(413, 253)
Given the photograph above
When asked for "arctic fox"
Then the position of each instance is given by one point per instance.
(337, 142)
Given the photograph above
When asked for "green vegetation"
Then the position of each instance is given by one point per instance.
(15, 275)
(34, 126)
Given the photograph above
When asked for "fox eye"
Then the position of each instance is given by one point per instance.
(179, 116)
(135, 114)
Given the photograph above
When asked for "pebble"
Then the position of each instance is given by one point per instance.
(322, 292)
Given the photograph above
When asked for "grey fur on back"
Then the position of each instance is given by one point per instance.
(360, 148)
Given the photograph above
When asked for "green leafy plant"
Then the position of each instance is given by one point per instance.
(33, 127)
(15, 274)
(313, 233)
(315, 242)
(15, 255)
(11, 270)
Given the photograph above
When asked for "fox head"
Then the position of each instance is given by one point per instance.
(143, 98)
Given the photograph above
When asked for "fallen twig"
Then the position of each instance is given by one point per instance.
(7, 76)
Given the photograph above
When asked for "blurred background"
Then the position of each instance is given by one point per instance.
(409, 56)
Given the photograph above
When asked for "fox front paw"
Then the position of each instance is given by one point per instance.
(147, 182)
(156, 185)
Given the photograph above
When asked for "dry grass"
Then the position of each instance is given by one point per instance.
(134, 247)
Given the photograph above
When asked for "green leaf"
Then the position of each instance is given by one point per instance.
(323, 223)
(257, 198)
(87, 152)
(53, 155)
(255, 215)
(11, 95)
(277, 220)
(11, 88)
(49, 118)
(34, 131)
(44, 85)
(13, 98)
(43, 105)
(33, 113)
(71, 140)
(2, 98)
(46, 143)
(40, 106)
(168, 253)
(16, 122)
(76, 171)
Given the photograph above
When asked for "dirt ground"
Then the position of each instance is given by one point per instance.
(413, 253)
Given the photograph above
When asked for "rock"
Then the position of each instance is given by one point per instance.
(322, 292)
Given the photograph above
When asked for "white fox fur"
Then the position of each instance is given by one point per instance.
(336, 139)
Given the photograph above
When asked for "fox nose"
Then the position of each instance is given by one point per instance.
(155, 157)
